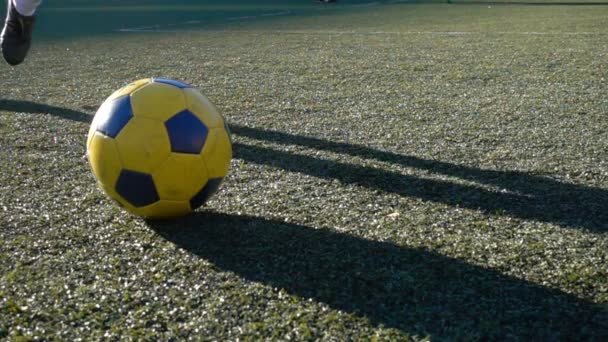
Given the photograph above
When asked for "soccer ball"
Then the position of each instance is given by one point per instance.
(159, 148)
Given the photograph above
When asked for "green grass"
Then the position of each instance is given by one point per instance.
(400, 172)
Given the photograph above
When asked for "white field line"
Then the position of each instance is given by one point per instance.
(161, 29)
(168, 29)
(369, 4)
(180, 27)
(448, 33)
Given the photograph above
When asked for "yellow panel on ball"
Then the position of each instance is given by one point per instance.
(158, 101)
(164, 209)
(200, 105)
(104, 160)
(143, 144)
(217, 153)
(180, 177)
(128, 89)
(92, 130)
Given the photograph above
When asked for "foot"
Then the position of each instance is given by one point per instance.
(16, 36)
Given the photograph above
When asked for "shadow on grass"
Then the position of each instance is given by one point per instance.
(413, 290)
(39, 108)
(523, 195)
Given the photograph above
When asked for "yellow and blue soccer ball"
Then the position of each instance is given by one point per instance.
(159, 147)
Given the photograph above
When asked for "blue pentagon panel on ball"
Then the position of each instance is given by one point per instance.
(186, 132)
(114, 116)
(175, 83)
(137, 188)
(206, 192)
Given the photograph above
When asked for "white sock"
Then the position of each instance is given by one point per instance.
(26, 7)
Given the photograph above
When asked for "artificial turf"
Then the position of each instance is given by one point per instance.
(401, 171)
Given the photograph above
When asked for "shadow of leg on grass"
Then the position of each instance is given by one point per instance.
(413, 290)
(39, 108)
(523, 195)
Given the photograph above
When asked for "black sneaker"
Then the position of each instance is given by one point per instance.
(16, 36)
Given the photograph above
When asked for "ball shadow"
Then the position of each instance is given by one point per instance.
(410, 289)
